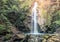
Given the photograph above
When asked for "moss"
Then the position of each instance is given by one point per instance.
(8, 36)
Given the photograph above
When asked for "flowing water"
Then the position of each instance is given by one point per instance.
(34, 26)
(34, 19)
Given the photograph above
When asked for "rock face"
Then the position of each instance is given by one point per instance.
(52, 38)
(42, 5)
(42, 10)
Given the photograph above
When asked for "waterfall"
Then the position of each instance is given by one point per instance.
(34, 29)
(34, 34)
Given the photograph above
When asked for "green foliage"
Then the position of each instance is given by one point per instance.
(57, 17)
(51, 28)
(6, 6)
(2, 28)
(57, 22)
(14, 12)
(53, 17)
(8, 36)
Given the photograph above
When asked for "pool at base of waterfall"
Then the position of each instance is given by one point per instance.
(35, 37)
(35, 33)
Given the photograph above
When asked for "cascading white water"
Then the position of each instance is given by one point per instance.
(34, 19)
(34, 34)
